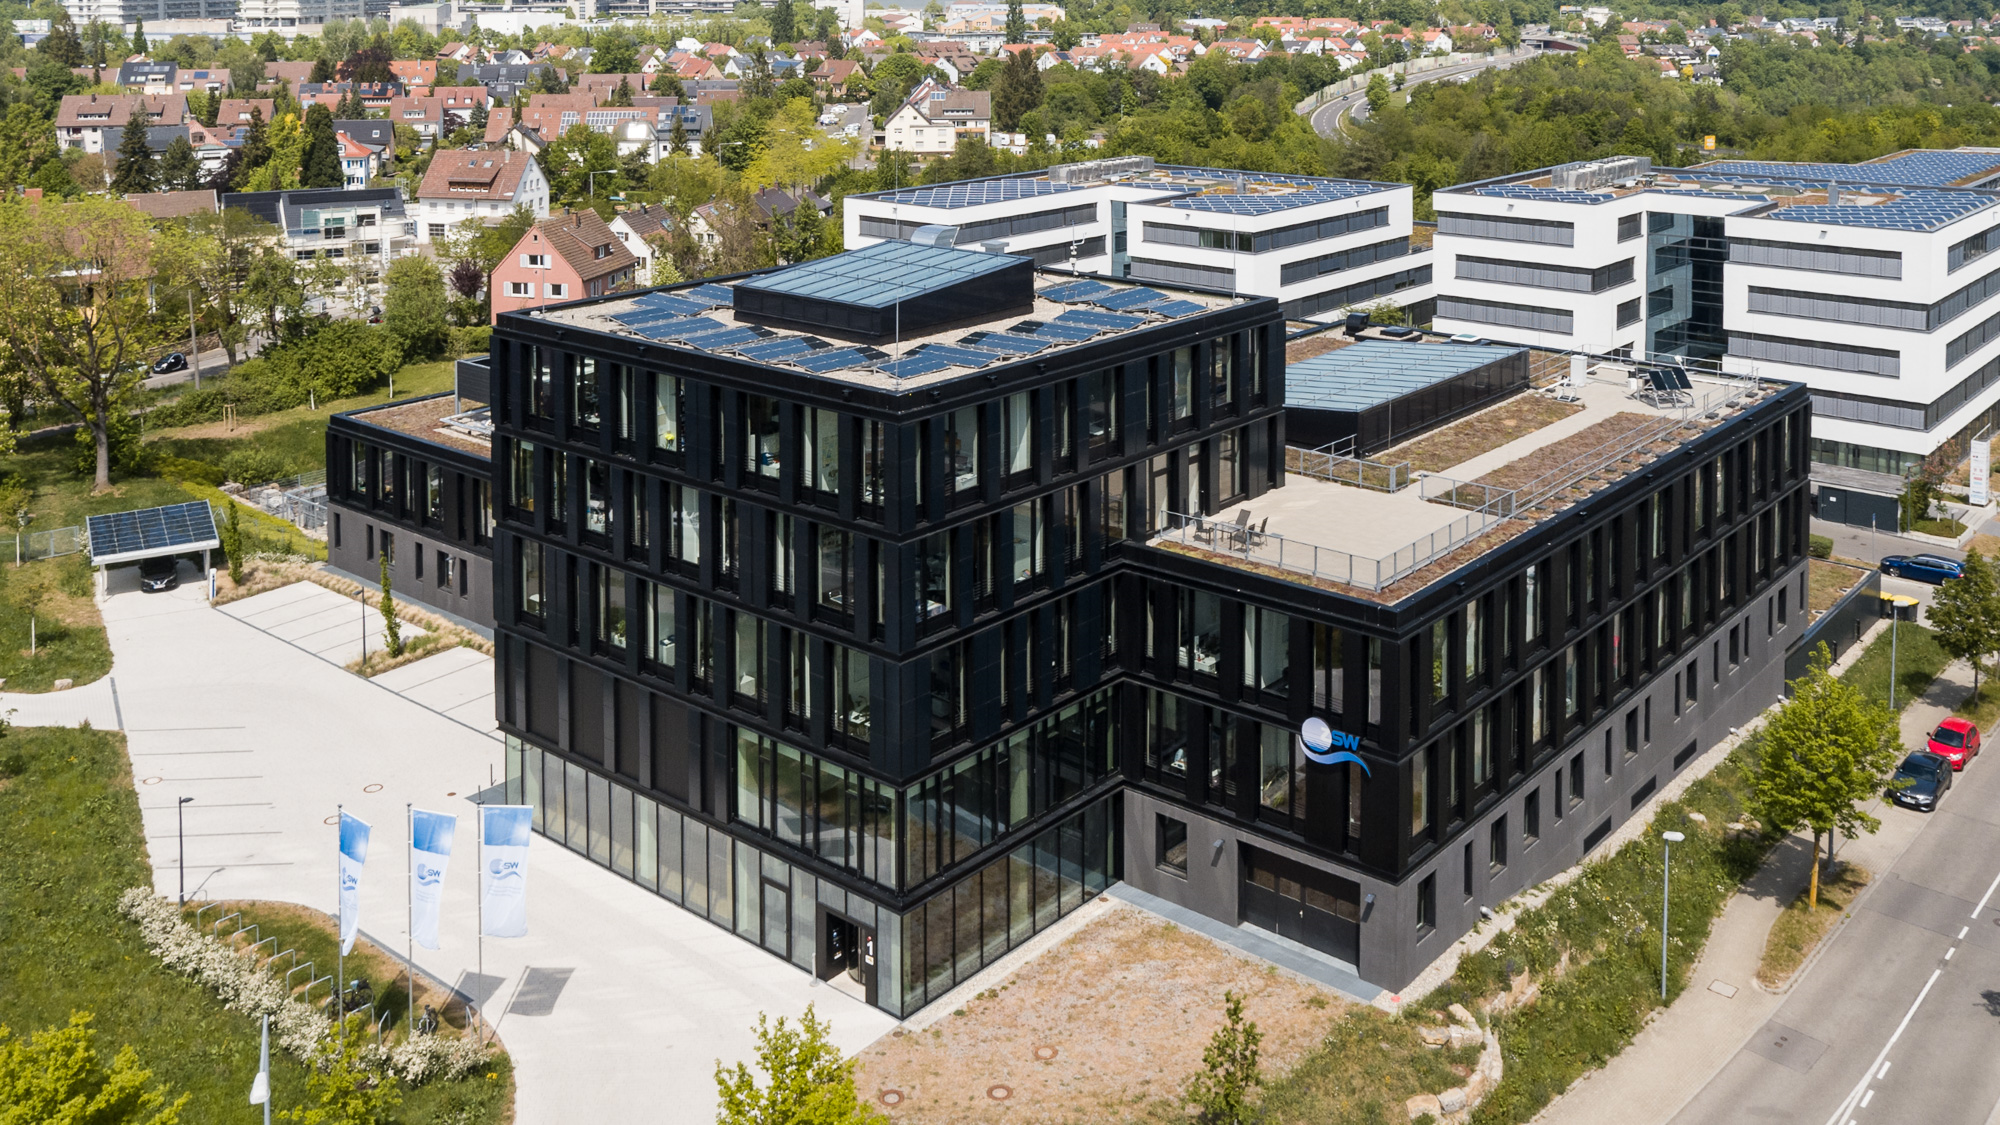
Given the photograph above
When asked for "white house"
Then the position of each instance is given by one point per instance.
(483, 184)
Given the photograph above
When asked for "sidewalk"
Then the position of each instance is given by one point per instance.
(1683, 1047)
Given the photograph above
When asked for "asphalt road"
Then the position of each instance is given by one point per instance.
(1327, 118)
(1898, 1022)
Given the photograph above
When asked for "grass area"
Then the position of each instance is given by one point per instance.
(1535, 466)
(73, 843)
(1982, 706)
(68, 633)
(1945, 528)
(1482, 433)
(1797, 931)
(1826, 581)
(1594, 944)
(1918, 662)
(1363, 1071)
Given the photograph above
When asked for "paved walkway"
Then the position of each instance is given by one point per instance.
(615, 1007)
(1685, 1046)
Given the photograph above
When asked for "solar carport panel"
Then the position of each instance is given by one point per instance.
(151, 533)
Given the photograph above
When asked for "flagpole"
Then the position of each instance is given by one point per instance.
(410, 916)
(482, 922)
(340, 927)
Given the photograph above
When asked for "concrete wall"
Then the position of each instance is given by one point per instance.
(1393, 952)
(349, 551)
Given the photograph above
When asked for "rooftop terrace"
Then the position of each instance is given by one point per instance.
(1380, 531)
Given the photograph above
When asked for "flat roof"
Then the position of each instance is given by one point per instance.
(1065, 311)
(878, 276)
(1371, 372)
(146, 533)
(425, 419)
(1225, 190)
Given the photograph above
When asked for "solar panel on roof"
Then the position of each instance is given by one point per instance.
(1091, 318)
(681, 306)
(909, 367)
(1131, 298)
(770, 351)
(666, 329)
(1052, 331)
(1009, 342)
(720, 294)
(147, 532)
(1179, 308)
(643, 316)
(1075, 291)
(961, 356)
(834, 359)
(716, 341)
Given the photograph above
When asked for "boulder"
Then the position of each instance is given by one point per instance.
(62, 685)
(1423, 1104)
(1434, 1036)
(1464, 1037)
(1459, 1013)
(1452, 1100)
(1697, 818)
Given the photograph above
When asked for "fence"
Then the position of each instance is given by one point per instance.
(1356, 82)
(53, 543)
(300, 500)
(1325, 563)
(1332, 462)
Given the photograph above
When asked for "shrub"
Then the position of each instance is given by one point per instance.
(1819, 546)
(180, 468)
(254, 466)
(471, 341)
(342, 358)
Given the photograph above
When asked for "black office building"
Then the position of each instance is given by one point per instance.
(895, 651)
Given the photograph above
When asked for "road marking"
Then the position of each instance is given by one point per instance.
(1949, 952)
(1866, 1098)
(1884, 1072)
(1990, 888)
(1840, 1115)
(1962, 931)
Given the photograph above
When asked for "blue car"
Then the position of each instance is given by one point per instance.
(1934, 569)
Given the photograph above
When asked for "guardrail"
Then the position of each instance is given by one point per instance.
(1326, 464)
(1324, 563)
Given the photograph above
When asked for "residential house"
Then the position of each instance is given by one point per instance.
(695, 120)
(141, 76)
(832, 77)
(461, 53)
(499, 123)
(294, 72)
(601, 86)
(415, 72)
(637, 227)
(236, 111)
(934, 118)
(160, 205)
(564, 257)
(483, 184)
(550, 114)
(425, 115)
(359, 164)
(368, 225)
(377, 134)
(92, 122)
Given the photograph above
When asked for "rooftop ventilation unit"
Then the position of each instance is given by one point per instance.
(1091, 170)
(935, 234)
(1588, 174)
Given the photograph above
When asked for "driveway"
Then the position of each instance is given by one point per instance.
(615, 998)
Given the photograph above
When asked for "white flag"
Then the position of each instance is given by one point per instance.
(353, 854)
(430, 839)
(504, 893)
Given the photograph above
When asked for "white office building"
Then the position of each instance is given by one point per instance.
(1321, 246)
(1867, 282)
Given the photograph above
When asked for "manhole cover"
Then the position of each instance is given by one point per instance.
(1788, 1047)
(152, 781)
(374, 788)
(999, 1093)
(892, 1097)
(1045, 1053)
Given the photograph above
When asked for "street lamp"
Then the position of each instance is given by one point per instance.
(1666, 883)
(180, 832)
(591, 178)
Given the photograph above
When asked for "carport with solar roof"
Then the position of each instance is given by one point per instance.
(150, 533)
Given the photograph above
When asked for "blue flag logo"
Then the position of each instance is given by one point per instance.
(1328, 747)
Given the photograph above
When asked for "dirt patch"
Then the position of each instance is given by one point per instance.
(1483, 432)
(1106, 1027)
(1330, 340)
(1826, 581)
(1556, 454)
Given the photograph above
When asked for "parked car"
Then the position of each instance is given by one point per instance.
(169, 364)
(1956, 741)
(159, 573)
(1934, 569)
(1920, 782)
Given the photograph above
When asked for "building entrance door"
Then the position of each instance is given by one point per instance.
(846, 955)
(1312, 907)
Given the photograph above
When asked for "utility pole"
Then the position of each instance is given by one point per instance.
(194, 352)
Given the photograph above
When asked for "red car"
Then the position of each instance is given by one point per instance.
(1956, 741)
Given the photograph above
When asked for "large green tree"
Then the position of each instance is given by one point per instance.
(1017, 23)
(614, 53)
(806, 1080)
(1825, 752)
(138, 170)
(415, 307)
(1965, 614)
(321, 168)
(180, 170)
(1017, 91)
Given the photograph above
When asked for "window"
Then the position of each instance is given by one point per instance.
(433, 494)
(1027, 532)
(761, 436)
(961, 448)
(1329, 673)
(611, 622)
(1693, 682)
(850, 693)
(1104, 411)
(665, 634)
(1420, 793)
(1628, 227)
(596, 497)
(531, 577)
(1267, 643)
(1440, 670)
(1173, 843)
(1496, 845)
(666, 412)
(836, 569)
(1465, 872)
(748, 635)
(555, 289)
(1200, 631)
(1017, 433)
(389, 547)
(520, 289)
(822, 449)
(1427, 903)
(443, 570)
(1531, 604)
(1222, 370)
(1576, 780)
(535, 261)
(1183, 389)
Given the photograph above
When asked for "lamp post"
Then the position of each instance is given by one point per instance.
(260, 1088)
(180, 834)
(591, 179)
(1666, 883)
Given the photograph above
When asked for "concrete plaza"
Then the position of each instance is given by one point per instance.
(617, 1005)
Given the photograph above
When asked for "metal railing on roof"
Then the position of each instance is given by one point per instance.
(1261, 548)
(1336, 462)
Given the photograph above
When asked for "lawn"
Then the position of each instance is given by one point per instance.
(67, 633)
(1797, 932)
(1918, 662)
(1826, 581)
(70, 827)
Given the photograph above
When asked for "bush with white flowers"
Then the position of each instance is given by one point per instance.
(249, 988)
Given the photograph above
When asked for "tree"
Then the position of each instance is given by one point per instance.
(56, 1075)
(392, 629)
(321, 168)
(1918, 496)
(1965, 613)
(784, 24)
(271, 290)
(571, 157)
(27, 140)
(677, 140)
(1221, 1090)
(179, 169)
(232, 541)
(344, 1091)
(414, 307)
(614, 54)
(809, 1083)
(74, 293)
(1378, 93)
(1016, 91)
(139, 44)
(370, 64)
(1824, 752)
(256, 148)
(1017, 23)
(894, 78)
(797, 152)
(61, 44)
(621, 95)
(322, 70)
(1063, 35)
(138, 171)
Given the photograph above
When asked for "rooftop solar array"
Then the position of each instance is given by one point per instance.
(1916, 211)
(879, 276)
(720, 294)
(972, 193)
(1371, 372)
(1030, 185)
(1075, 291)
(677, 304)
(1306, 194)
(1545, 194)
(1917, 169)
(151, 532)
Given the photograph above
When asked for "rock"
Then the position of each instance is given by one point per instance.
(63, 685)
(1459, 1013)
(1434, 1036)
(1452, 1100)
(1464, 1037)
(1697, 818)
(1423, 1104)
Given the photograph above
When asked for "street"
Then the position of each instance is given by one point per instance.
(1895, 1021)
(1326, 119)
